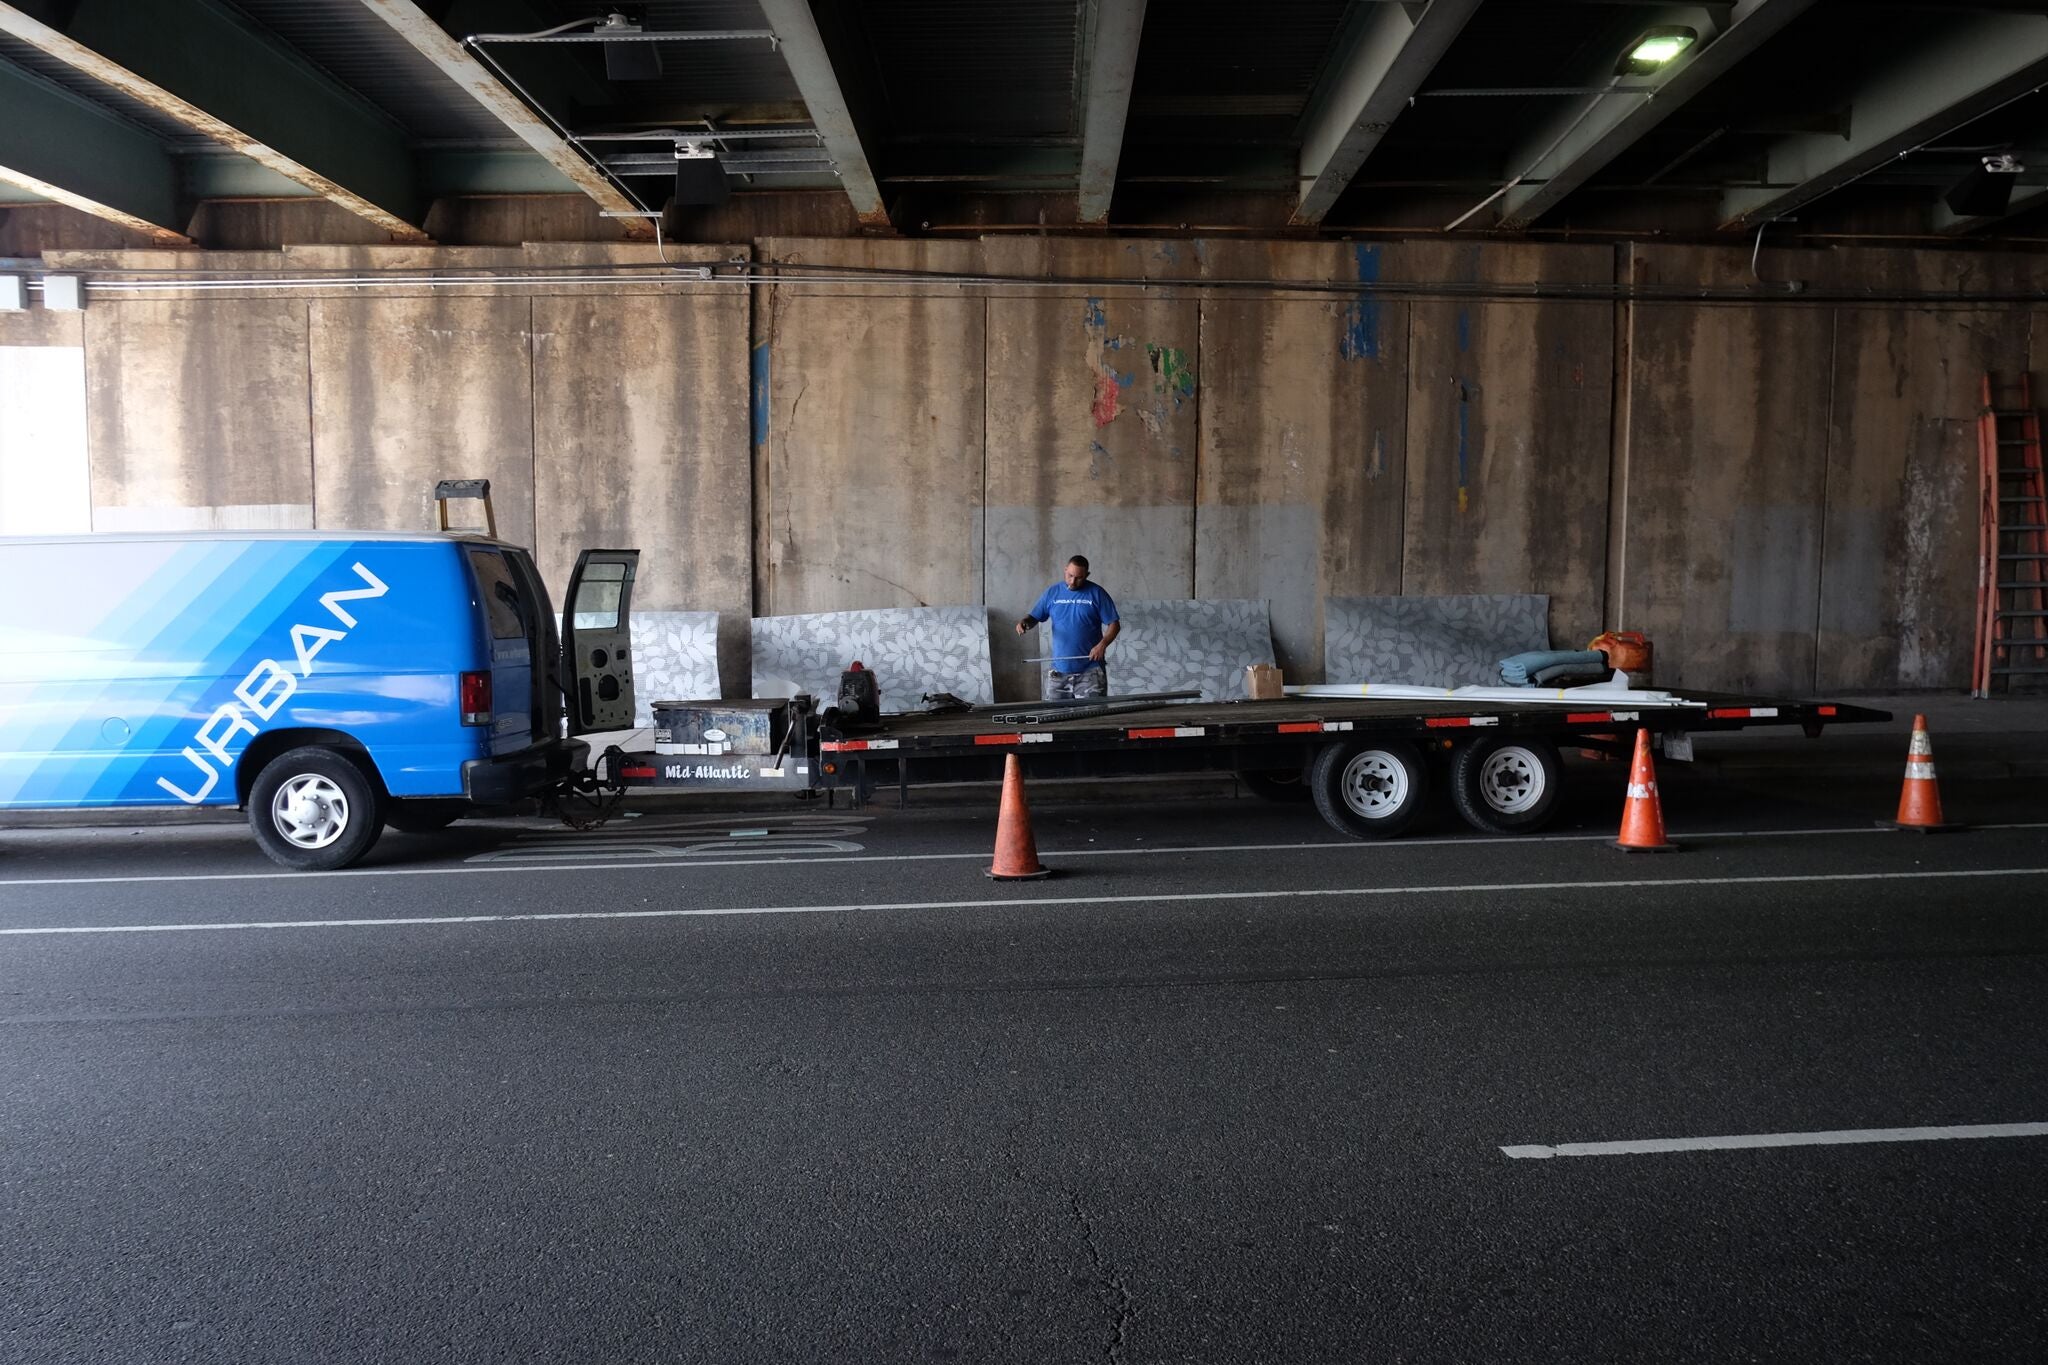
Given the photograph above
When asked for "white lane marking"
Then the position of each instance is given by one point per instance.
(1178, 898)
(585, 864)
(1838, 1138)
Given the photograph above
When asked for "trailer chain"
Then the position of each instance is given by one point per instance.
(587, 801)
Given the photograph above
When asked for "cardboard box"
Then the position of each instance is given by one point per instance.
(1262, 682)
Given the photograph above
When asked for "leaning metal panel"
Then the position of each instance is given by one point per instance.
(1201, 643)
(676, 658)
(911, 650)
(1430, 641)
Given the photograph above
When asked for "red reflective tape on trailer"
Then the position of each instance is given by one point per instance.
(1826, 711)
(1728, 713)
(1300, 727)
(1166, 733)
(998, 739)
(636, 772)
(1447, 722)
(1587, 717)
(842, 746)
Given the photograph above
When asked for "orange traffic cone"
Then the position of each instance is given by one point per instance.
(1920, 798)
(1642, 816)
(1016, 851)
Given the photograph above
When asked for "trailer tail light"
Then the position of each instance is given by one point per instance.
(476, 698)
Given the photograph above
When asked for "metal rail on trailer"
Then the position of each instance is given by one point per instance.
(1366, 763)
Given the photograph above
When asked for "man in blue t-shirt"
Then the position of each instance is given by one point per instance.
(1083, 623)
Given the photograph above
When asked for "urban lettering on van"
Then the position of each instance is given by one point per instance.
(268, 686)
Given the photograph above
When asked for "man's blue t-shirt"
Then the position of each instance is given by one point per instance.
(1078, 616)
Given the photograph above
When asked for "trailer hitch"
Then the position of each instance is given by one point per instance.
(586, 800)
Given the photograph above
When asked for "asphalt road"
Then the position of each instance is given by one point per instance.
(795, 1085)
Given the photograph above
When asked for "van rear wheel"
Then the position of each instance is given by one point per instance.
(314, 810)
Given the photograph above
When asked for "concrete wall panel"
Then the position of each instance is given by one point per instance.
(1304, 439)
(870, 435)
(411, 390)
(640, 431)
(1509, 433)
(1898, 586)
(1093, 403)
(197, 413)
(1727, 451)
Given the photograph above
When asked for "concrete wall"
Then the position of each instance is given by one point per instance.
(1782, 496)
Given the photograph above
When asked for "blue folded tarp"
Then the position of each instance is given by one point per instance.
(1540, 667)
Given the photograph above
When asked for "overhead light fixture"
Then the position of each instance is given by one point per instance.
(633, 58)
(1655, 50)
(700, 180)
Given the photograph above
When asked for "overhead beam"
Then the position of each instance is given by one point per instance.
(456, 62)
(58, 147)
(1981, 63)
(199, 64)
(1578, 144)
(803, 48)
(1388, 53)
(1114, 29)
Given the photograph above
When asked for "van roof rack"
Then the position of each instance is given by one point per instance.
(447, 490)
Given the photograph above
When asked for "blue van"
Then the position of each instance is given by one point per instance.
(331, 683)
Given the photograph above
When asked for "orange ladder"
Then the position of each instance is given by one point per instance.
(2012, 581)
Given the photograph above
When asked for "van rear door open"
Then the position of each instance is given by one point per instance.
(597, 641)
(512, 623)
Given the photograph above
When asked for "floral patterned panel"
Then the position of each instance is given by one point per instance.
(1430, 641)
(1170, 646)
(911, 651)
(678, 658)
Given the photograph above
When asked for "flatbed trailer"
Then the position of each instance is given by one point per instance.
(1366, 763)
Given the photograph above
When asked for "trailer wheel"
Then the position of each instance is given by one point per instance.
(1276, 784)
(1370, 788)
(312, 809)
(1505, 785)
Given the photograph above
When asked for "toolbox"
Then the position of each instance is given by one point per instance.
(720, 727)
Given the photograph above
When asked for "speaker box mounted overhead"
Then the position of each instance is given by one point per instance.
(1980, 194)
(701, 182)
(629, 61)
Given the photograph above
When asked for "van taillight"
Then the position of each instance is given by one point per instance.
(476, 698)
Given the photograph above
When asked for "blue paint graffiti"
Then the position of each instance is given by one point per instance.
(1361, 340)
(1098, 455)
(760, 394)
(1464, 441)
(1094, 316)
(1464, 331)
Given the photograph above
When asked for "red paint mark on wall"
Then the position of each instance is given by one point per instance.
(1105, 406)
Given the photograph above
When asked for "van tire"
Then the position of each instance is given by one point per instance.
(313, 809)
(424, 815)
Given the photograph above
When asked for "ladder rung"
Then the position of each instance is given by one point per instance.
(2031, 497)
(2023, 556)
(2020, 670)
(2014, 615)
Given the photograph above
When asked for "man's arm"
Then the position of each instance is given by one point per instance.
(1102, 646)
(1038, 612)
